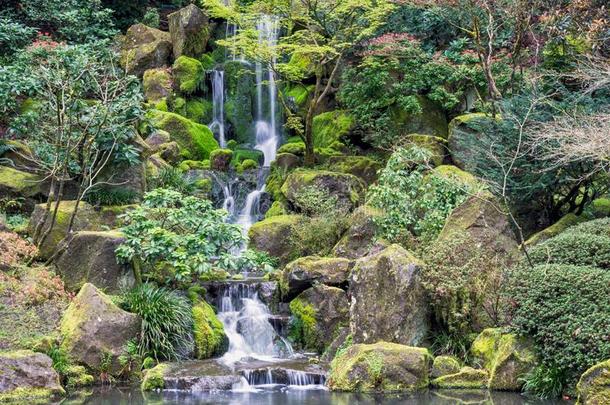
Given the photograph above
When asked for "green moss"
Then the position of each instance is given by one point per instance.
(232, 144)
(600, 207)
(247, 164)
(154, 378)
(161, 105)
(430, 121)
(277, 208)
(445, 365)
(187, 165)
(304, 326)
(241, 154)
(331, 126)
(456, 174)
(199, 110)
(594, 385)
(33, 396)
(18, 182)
(204, 185)
(207, 61)
(157, 84)
(209, 334)
(467, 377)
(296, 148)
(189, 74)
(483, 348)
(564, 223)
(77, 377)
(196, 141)
(435, 144)
(300, 64)
(299, 93)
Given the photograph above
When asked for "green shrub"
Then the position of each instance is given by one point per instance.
(151, 17)
(111, 196)
(544, 382)
(575, 248)
(595, 227)
(171, 178)
(167, 321)
(564, 309)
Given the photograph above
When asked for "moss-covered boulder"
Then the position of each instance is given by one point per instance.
(318, 314)
(157, 84)
(89, 257)
(273, 235)
(331, 126)
(296, 148)
(360, 166)
(286, 161)
(505, 356)
(189, 74)
(93, 329)
(430, 121)
(240, 99)
(198, 110)
(346, 188)
(359, 239)
(304, 272)
(380, 367)
(220, 159)
(28, 377)
(463, 135)
(208, 333)
(277, 208)
(190, 31)
(465, 378)
(145, 48)
(594, 385)
(387, 300)
(196, 376)
(196, 141)
(17, 184)
(156, 139)
(241, 154)
(170, 152)
(434, 144)
(77, 377)
(154, 165)
(445, 365)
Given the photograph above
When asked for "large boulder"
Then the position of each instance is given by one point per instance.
(274, 236)
(208, 332)
(93, 328)
(190, 31)
(318, 314)
(380, 367)
(467, 377)
(444, 365)
(594, 385)
(331, 126)
(505, 356)
(157, 84)
(27, 377)
(360, 166)
(89, 257)
(304, 272)
(145, 48)
(17, 184)
(360, 238)
(194, 376)
(387, 300)
(347, 188)
(430, 121)
(464, 135)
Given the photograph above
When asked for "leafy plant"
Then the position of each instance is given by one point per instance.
(106, 196)
(544, 382)
(130, 360)
(151, 17)
(166, 322)
(171, 178)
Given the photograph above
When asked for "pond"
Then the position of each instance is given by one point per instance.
(284, 396)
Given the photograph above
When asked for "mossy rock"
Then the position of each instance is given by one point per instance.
(247, 164)
(594, 385)
(505, 356)
(195, 140)
(463, 134)
(301, 64)
(318, 314)
(189, 74)
(208, 332)
(241, 97)
(194, 376)
(286, 161)
(153, 378)
(360, 238)
(445, 365)
(198, 110)
(380, 367)
(277, 208)
(430, 121)
(241, 154)
(190, 31)
(220, 159)
(360, 166)
(434, 144)
(273, 235)
(331, 126)
(466, 378)
(305, 272)
(77, 377)
(558, 227)
(157, 84)
(145, 48)
(295, 148)
(15, 183)
(27, 377)
(187, 165)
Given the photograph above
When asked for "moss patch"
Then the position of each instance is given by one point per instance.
(331, 126)
(594, 385)
(467, 377)
(189, 74)
(153, 379)
(209, 334)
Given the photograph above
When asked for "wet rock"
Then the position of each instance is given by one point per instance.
(27, 377)
(145, 48)
(287, 161)
(467, 377)
(93, 327)
(380, 367)
(359, 240)
(190, 31)
(594, 385)
(336, 344)
(387, 300)
(89, 257)
(194, 376)
(304, 272)
(444, 365)
(273, 235)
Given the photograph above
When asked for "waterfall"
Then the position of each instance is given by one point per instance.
(218, 100)
(246, 322)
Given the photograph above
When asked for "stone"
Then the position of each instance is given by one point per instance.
(240, 100)
(304, 272)
(505, 356)
(287, 161)
(145, 48)
(434, 144)
(387, 299)
(462, 136)
(360, 238)
(444, 365)
(430, 121)
(18, 184)
(157, 84)
(347, 188)
(360, 166)
(189, 75)
(156, 139)
(93, 327)
(594, 385)
(208, 332)
(220, 159)
(170, 152)
(27, 377)
(318, 314)
(190, 31)
(341, 340)
(89, 257)
(194, 376)
(273, 235)
(380, 367)
(154, 165)
(467, 377)
(331, 126)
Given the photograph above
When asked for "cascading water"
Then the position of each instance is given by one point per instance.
(217, 126)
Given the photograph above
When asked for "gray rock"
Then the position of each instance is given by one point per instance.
(304, 272)
(190, 31)
(145, 48)
(30, 372)
(360, 238)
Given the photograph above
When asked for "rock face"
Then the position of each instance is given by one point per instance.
(387, 299)
(505, 356)
(347, 188)
(359, 239)
(93, 327)
(467, 377)
(89, 258)
(380, 367)
(304, 272)
(273, 235)
(594, 385)
(190, 31)
(145, 48)
(318, 314)
(195, 376)
(444, 365)
(26, 376)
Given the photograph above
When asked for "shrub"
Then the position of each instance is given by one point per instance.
(171, 178)
(167, 322)
(564, 309)
(595, 227)
(575, 248)
(544, 382)
(151, 17)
